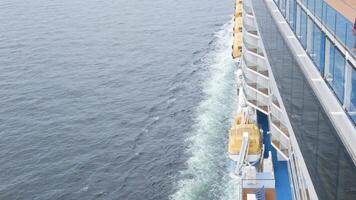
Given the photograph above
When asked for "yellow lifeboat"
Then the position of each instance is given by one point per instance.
(236, 138)
(238, 25)
(237, 44)
(238, 10)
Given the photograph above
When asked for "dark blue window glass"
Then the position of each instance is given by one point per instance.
(352, 111)
(338, 74)
(329, 75)
(303, 28)
(317, 46)
(292, 12)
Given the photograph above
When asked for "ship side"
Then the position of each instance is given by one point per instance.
(306, 130)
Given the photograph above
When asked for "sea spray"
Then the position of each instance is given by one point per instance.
(206, 175)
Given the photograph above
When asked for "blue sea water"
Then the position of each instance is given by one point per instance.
(114, 99)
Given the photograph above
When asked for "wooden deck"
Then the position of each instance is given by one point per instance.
(270, 193)
(345, 7)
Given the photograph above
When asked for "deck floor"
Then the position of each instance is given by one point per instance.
(283, 189)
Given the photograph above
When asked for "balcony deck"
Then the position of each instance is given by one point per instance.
(345, 7)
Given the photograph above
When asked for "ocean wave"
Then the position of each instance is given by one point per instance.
(205, 176)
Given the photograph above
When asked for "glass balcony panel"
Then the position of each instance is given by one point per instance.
(311, 5)
(303, 28)
(310, 36)
(329, 75)
(324, 13)
(330, 17)
(340, 28)
(318, 8)
(297, 21)
(283, 7)
(352, 110)
(339, 75)
(350, 38)
(287, 10)
(292, 11)
(317, 45)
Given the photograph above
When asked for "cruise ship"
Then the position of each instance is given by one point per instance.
(294, 135)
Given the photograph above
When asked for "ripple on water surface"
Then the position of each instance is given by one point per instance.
(97, 97)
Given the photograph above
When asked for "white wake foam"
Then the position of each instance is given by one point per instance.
(206, 176)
